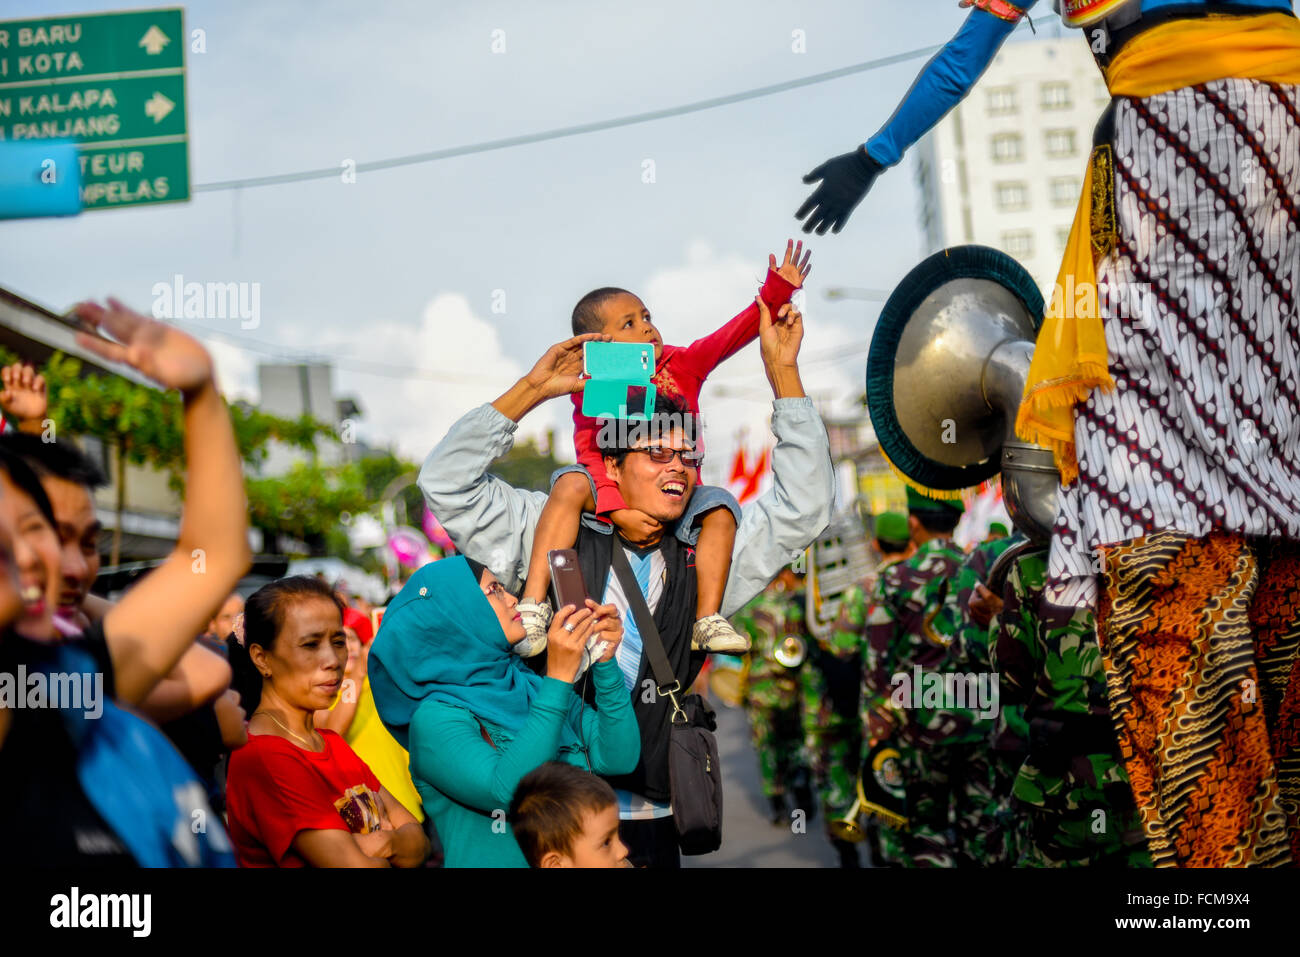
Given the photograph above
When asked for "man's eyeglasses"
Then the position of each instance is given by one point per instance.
(496, 588)
(661, 456)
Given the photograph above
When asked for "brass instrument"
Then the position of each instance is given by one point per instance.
(886, 801)
(791, 652)
(847, 828)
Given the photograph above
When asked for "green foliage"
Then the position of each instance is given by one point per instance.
(306, 502)
(145, 424)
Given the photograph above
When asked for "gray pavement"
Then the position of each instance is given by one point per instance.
(748, 838)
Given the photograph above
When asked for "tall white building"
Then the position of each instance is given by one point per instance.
(291, 390)
(1004, 168)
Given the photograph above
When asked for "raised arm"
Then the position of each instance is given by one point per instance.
(488, 519)
(705, 354)
(156, 622)
(776, 528)
(941, 85)
(199, 678)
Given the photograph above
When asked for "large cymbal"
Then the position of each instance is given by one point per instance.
(948, 363)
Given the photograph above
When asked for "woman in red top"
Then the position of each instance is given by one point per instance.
(298, 796)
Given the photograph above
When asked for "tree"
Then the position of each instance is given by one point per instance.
(143, 424)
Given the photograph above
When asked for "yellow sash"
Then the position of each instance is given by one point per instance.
(1070, 358)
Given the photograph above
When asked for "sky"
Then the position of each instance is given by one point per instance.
(435, 286)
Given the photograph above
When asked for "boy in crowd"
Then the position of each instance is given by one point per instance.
(563, 816)
(679, 376)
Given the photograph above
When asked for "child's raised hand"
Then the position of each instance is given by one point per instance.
(635, 524)
(792, 270)
(23, 395)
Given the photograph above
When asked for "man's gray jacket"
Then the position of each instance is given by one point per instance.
(493, 523)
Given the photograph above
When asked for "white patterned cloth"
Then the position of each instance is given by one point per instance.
(1199, 299)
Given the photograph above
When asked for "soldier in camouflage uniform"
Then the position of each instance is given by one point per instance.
(986, 752)
(905, 596)
(832, 685)
(771, 696)
(1073, 785)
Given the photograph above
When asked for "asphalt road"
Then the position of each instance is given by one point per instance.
(749, 839)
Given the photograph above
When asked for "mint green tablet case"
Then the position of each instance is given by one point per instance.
(619, 387)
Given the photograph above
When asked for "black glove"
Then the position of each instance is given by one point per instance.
(845, 180)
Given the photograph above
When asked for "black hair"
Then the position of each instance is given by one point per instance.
(21, 474)
(476, 569)
(59, 459)
(890, 546)
(936, 521)
(617, 437)
(264, 610)
(586, 314)
(547, 809)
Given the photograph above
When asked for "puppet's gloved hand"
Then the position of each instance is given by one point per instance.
(844, 181)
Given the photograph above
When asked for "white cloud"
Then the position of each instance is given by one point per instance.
(416, 412)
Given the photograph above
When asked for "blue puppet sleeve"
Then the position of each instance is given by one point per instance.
(942, 84)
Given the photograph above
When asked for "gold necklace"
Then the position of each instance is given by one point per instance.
(311, 745)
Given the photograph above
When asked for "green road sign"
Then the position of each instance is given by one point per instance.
(115, 84)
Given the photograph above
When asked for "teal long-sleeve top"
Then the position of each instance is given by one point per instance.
(466, 783)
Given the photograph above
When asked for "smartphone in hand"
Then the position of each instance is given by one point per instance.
(570, 589)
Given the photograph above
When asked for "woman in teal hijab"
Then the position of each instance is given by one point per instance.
(472, 715)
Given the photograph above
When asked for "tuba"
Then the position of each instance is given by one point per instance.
(945, 376)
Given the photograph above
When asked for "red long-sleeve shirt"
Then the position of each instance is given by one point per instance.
(679, 374)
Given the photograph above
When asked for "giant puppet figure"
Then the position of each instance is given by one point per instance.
(1166, 380)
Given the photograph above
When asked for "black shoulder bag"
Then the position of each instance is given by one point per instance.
(694, 771)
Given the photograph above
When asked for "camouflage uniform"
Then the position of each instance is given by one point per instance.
(986, 752)
(1080, 806)
(772, 692)
(832, 732)
(906, 594)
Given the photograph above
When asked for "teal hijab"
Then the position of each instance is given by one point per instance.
(441, 641)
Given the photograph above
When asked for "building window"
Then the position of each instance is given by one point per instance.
(1018, 244)
(1002, 100)
(1055, 95)
(1065, 191)
(1012, 196)
(1008, 148)
(1060, 143)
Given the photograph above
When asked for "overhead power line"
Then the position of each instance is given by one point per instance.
(413, 159)
(392, 370)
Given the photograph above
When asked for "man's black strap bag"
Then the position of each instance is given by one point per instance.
(694, 770)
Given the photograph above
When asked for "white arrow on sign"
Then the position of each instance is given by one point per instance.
(158, 106)
(154, 40)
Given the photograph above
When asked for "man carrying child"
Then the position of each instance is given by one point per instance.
(494, 523)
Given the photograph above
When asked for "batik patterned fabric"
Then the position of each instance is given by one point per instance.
(1199, 301)
(1199, 639)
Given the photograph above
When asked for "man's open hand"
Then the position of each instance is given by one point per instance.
(778, 341)
(559, 370)
(158, 351)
